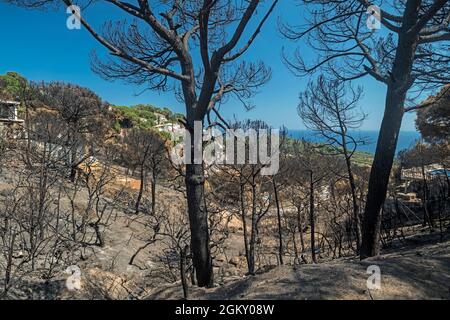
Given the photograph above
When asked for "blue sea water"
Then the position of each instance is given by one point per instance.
(406, 139)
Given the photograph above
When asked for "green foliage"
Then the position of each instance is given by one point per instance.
(116, 126)
(142, 116)
(12, 85)
(362, 158)
(433, 122)
(165, 135)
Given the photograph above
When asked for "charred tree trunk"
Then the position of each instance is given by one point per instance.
(195, 182)
(244, 224)
(99, 241)
(141, 189)
(427, 212)
(312, 217)
(198, 219)
(280, 230)
(73, 156)
(27, 134)
(184, 283)
(251, 269)
(73, 166)
(447, 179)
(9, 264)
(398, 85)
(351, 179)
(193, 279)
(300, 228)
(379, 175)
(153, 192)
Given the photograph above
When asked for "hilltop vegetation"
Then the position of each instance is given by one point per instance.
(14, 86)
(143, 116)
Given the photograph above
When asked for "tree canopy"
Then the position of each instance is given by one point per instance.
(433, 121)
(11, 85)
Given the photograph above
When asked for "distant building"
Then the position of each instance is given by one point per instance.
(9, 112)
(9, 118)
(415, 173)
(169, 127)
(161, 119)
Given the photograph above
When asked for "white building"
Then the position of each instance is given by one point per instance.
(9, 111)
(169, 127)
(161, 119)
(415, 173)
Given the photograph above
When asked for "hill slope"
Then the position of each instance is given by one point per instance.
(420, 271)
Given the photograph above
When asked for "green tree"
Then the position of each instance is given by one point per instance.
(11, 85)
(433, 121)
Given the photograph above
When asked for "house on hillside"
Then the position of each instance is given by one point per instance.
(412, 189)
(160, 118)
(415, 173)
(169, 127)
(9, 111)
(9, 114)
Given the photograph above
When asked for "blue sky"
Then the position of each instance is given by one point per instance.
(38, 45)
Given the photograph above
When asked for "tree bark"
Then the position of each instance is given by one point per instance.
(244, 224)
(27, 134)
(280, 231)
(73, 166)
(153, 192)
(356, 218)
(399, 83)
(351, 180)
(184, 283)
(312, 218)
(427, 212)
(300, 228)
(379, 175)
(141, 189)
(195, 183)
(198, 220)
(251, 269)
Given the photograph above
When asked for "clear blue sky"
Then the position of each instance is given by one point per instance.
(38, 45)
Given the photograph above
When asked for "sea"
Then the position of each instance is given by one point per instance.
(406, 139)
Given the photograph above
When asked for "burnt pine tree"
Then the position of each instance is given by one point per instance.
(81, 111)
(253, 206)
(409, 54)
(330, 109)
(145, 150)
(192, 47)
(312, 168)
